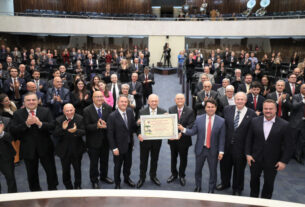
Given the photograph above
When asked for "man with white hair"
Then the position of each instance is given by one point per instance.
(203, 96)
(221, 91)
(227, 99)
(115, 88)
(237, 119)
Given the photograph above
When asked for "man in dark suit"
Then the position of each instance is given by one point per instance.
(14, 87)
(136, 67)
(282, 99)
(190, 67)
(9, 63)
(291, 87)
(70, 147)
(90, 65)
(237, 119)
(245, 87)
(150, 146)
(297, 123)
(210, 130)
(41, 85)
(147, 80)
(95, 117)
(120, 128)
(7, 154)
(66, 78)
(136, 89)
(254, 99)
(186, 117)
(268, 149)
(115, 88)
(227, 99)
(203, 96)
(237, 79)
(32, 124)
(57, 97)
(25, 75)
(199, 86)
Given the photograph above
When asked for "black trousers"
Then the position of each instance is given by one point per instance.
(182, 151)
(7, 169)
(125, 160)
(270, 172)
(97, 156)
(153, 148)
(66, 163)
(237, 162)
(145, 96)
(48, 164)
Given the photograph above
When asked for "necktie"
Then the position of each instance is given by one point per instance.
(57, 92)
(125, 119)
(293, 89)
(279, 112)
(254, 101)
(208, 141)
(236, 120)
(99, 112)
(179, 113)
(37, 85)
(16, 89)
(146, 79)
(153, 112)
(133, 85)
(207, 95)
(69, 120)
(33, 113)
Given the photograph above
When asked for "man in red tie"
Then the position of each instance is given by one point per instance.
(254, 99)
(210, 130)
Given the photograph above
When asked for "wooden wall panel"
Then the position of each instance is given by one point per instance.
(105, 6)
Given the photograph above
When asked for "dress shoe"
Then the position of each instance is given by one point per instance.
(95, 185)
(197, 189)
(117, 186)
(182, 181)
(77, 187)
(236, 192)
(107, 180)
(211, 191)
(156, 181)
(129, 182)
(171, 179)
(221, 187)
(140, 183)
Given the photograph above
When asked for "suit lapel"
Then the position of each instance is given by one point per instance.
(119, 117)
(94, 112)
(273, 128)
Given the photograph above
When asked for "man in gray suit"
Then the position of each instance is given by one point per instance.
(222, 90)
(210, 130)
(203, 96)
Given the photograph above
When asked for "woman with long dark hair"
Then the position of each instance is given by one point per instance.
(124, 72)
(107, 94)
(80, 97)
(94, 84)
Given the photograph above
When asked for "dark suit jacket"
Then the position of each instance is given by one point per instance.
(285, 106)
(139, 95)
(217, 135)
(147, 87)
(44, 85)
(278, 146)
(200, 99)
(297, 111)
(90, 69)
(33, 139)
(11, 94)
(94, 136)
(239, 135)
(119, 136)
(222, 102)
(289, 91)
(242, 87)
(70, 144)
(56, 107)
(259, 102)
(7, 151)
(187, 119)
(140, 68)
(145, 111)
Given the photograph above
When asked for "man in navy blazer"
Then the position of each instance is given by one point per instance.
(210, 144)
(269, 147)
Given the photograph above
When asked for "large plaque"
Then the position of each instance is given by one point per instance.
(163, 126)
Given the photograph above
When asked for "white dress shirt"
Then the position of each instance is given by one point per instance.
(231, 101)
(242, 114)
(267, 126)
(151, 111)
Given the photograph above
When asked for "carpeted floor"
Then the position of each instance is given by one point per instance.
(289, 185)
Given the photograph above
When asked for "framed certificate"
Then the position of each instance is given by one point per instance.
(163, 126)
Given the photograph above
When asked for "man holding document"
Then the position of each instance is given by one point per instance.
(210, 130)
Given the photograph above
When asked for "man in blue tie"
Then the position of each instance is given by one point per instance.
(210, 130)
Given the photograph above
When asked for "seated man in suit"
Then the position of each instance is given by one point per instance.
(95, 117)
(245, 87)
(70, 147)
(203, 96)
(150, 146)
(210, 130)
(254, 99)
(291, 87)
(57, 97)
(7, 154)
(281, 98)
(120, 127)
(186, 117)
(268, 149)
(33, 124)
(41, 85)
(227, 99)
(237, 120)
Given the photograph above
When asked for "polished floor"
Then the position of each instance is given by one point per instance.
(289, 185)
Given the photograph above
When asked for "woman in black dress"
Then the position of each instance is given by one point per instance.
(80, 97)
(124, 72)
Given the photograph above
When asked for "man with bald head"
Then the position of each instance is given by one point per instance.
(95, 117)
(186, 117)
(31, 87)
(57, 97)
(237, 119)
(151, 147)
(70, 147)
(204, 95)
